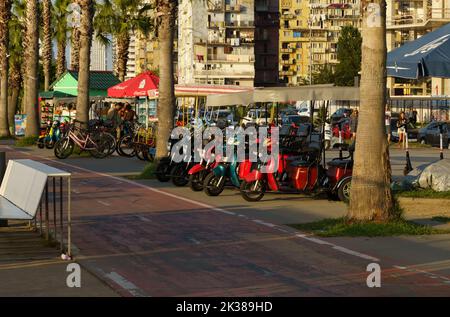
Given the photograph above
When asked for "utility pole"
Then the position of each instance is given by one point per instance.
(206, 59)
(310, 51)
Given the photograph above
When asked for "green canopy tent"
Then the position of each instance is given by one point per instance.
(59, 102)
(99, 82)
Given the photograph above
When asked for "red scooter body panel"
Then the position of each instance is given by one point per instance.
(196, 169)
(254, 176)
(244, 168)
(335, 174)
(304, 177)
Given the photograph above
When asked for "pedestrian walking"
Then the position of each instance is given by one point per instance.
(387, 124)
(354, 123)
(402, 124)
(116, 119)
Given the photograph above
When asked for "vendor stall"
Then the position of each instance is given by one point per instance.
(60, 102)
(138, 88)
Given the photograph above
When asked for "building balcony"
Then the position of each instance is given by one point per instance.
(289, 16)
(286, 4)
(286, 73)
(287, 50)
(218, 24)
(233, 9)
(238, 41)
(240, 24)
(287, 62)
(228, 73)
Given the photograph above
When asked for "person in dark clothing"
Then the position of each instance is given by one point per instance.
(354, 123)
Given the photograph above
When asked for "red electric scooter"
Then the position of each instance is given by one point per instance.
(299, 170)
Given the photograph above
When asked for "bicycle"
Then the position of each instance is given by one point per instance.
(106, 129)
(139, 142)
(97, 144)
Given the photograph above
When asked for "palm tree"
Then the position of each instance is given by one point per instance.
(5, 14)
(16, 33)
(166, 12)
(371, 197)
(86, 31)
(31, 55)
(75, 44)
(47, 53)
(121, 18)
(61, 29)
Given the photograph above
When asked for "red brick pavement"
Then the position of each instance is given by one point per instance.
(144, 242)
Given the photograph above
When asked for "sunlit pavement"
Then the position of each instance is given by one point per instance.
(149, 239)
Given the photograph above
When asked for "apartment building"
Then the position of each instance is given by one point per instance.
(309, 32)
(99, 55)
(267, 25)
(131, 62)
(216, 42)
(407, 21)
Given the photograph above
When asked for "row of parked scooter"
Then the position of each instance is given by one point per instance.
(300, 168)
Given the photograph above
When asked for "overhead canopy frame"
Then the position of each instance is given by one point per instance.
(285, 94)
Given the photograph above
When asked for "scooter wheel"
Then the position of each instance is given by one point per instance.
(343, 191)
(162, 172)
(253, 191)
(196, 181)
(179, 175)
(40, 145)
(50, 145)
(213, 185)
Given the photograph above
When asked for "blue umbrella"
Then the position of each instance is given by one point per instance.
(428, 56)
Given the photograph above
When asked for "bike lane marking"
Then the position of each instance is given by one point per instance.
(218, 209)
(221, 210)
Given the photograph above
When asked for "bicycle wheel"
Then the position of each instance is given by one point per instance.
(64, 148)
(102, 144)
(139, 148)
(125, 146)
(111, 141)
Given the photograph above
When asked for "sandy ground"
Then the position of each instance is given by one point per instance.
(418, 208)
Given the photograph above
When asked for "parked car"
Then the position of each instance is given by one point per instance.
(339, 114)
(294, 119)
(256, 116)
(224, 115)
(430, 134)
(306, 112)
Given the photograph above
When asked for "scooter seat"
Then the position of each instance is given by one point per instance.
(341, 163)
(301, 163)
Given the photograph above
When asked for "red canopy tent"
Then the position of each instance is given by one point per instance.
(138, 86)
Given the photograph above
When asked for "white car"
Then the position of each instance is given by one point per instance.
(256, 116)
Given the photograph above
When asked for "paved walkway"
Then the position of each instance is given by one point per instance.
(144, 241)
(28, 267)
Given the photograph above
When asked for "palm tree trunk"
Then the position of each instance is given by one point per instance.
(15, 83)
(75, 49)
(123, 43)
(61, 59)
(371, 198)
(5, 13)
(86, 30)
(31, 69)
(166, 104)
(12, 107)
(47, 42)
